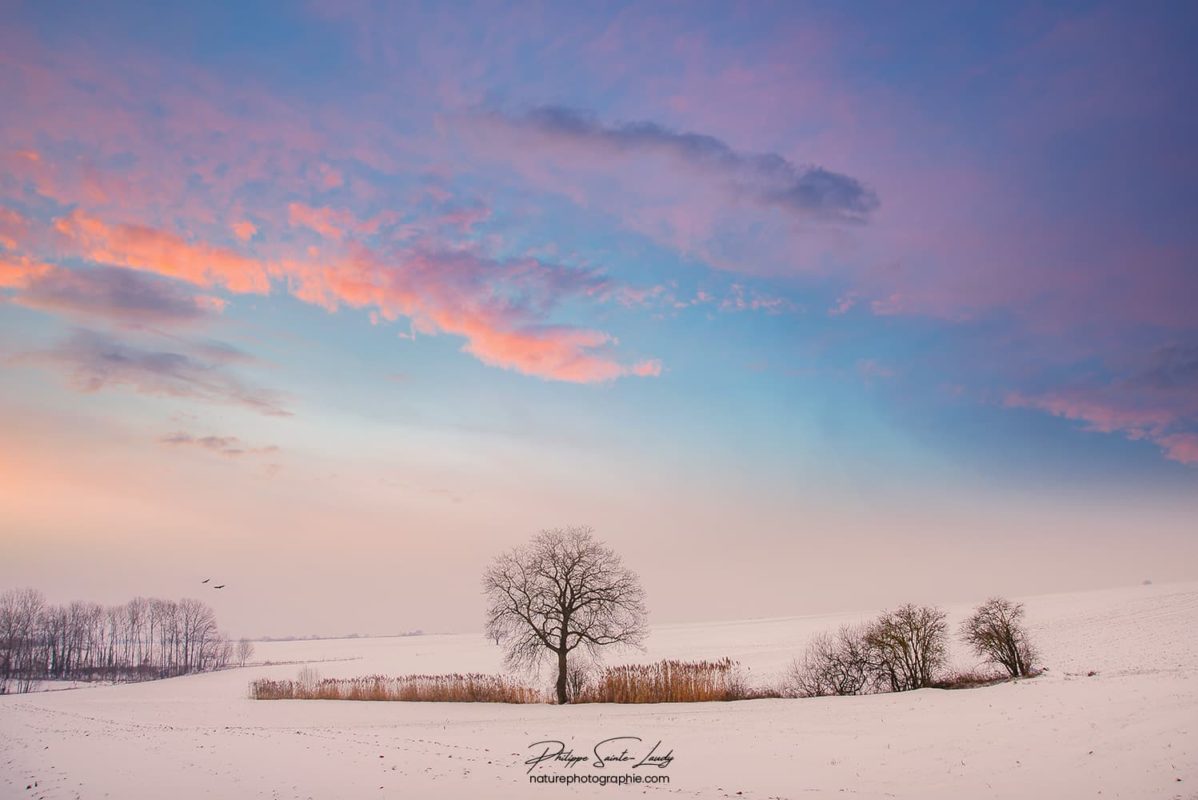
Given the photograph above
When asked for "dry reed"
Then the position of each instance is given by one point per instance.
(455, 688)
(672, 682)
(662, 682)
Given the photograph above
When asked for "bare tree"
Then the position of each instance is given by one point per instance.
(832, 665)
(561, 591)
(21, 613)
(995, 631)
(907, 647)
(245, 651)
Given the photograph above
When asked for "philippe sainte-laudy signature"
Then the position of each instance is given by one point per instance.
(629, 751)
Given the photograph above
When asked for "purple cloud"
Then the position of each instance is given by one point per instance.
(96, 361)
(119, 295)
(805, 190)
(1157, 402)
(227, 446)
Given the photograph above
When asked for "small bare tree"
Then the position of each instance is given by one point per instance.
(581, 671)
(832, 665)
(245, 651)
(995, 631)
(562, 591)
(307, 678)
(907, 647)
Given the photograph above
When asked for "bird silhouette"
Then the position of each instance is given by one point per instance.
(205, 580)
(219, 587)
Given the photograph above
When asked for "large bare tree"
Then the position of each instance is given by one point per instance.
(563, 590)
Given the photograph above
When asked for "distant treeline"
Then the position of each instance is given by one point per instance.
(315, 637)
(142, 639)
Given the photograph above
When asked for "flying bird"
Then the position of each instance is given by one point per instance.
(205, 580)
(219, 587)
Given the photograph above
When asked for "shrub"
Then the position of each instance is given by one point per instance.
(968, 680)
(907, 648)
(995, 631)
(832, 665)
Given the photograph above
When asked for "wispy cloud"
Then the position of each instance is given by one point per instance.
(96, 361)
(143, 247)
(498, 307)
(1170, 367)
(501, 308)
(114, 294)
(771, 179)
(1157, 403)
(742, 298)
(871, 370)
(227, 446)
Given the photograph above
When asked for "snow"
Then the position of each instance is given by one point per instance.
(1128, 731)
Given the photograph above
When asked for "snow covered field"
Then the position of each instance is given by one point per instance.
(1130, 730)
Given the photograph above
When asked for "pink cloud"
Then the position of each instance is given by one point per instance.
(1181, 447)
(1135, 413)
(158, 213)
(145, 248)
(1098, 414)
(329, 223)
(226, 446)
(14, 227)
(496, 306)
(466, 217)
(650, 368)
(843, 304)
(329, 177)
(573, 355)
(18, 272)
(244, 229)
(466, 295)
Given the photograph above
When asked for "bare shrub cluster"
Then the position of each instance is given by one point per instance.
(671, 682)
(833, 665)
(907, 648)
(142, 639)
(967, 679)
(455, 688)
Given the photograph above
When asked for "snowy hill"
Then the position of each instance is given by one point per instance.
(1130, 730)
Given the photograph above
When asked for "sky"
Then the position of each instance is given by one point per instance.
(802, 306)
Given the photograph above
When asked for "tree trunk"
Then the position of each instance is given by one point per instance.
(562, 698)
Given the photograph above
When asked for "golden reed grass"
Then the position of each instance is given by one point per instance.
(671, 682)
(469, 688)
(662, 682)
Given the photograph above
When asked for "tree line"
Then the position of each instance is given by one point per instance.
(142, 639)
